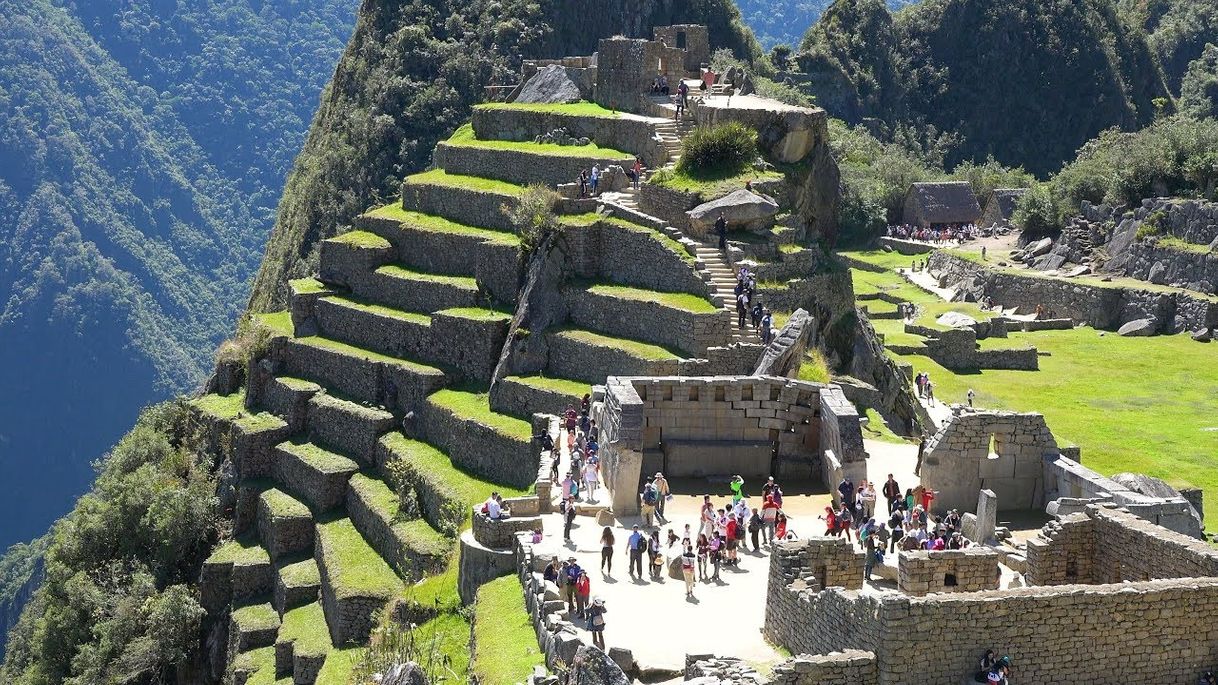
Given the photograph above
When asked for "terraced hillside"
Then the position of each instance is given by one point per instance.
(398, 390)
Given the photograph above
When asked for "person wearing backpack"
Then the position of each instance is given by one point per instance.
(596, 622)
(755, 529)
(649, 497)
(687, 570)
(635, 546)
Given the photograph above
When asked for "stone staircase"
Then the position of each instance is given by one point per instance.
(723, 284)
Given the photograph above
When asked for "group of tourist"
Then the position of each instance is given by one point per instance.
(590, 179)
(936, 235)
(575, 588)
(749, 310)
(926, 389)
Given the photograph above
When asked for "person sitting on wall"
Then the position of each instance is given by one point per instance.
(493, 507)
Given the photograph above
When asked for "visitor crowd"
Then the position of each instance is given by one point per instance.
(749, 309)
(937, 235)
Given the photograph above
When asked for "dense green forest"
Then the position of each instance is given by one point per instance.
(409, 77)
(784, 22)
(143, 147)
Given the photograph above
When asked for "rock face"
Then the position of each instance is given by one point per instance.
(1202, 335)
(405, 674)
(591, 666)
(784, 353)
(956, 320)
(549, 85)
(741, 208)
(1137, 328)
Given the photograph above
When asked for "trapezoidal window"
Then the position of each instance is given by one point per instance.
(681, 40)
(949, 580)
(993, 453)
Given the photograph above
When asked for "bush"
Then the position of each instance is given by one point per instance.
(726, 148)
(533, 215)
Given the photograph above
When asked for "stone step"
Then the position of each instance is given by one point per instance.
(410, 546)
(360, 374)
(236, 571)
(318, 476)
(356, 582)
(297, 582)
(302, 644)
(252, 626)
(350, 428)
(285, 524)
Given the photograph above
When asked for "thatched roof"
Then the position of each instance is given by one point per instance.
(1004, 199)
(943, 203)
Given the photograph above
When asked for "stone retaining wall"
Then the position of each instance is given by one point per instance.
(906, 247)
(631, 256)
(387, 539)
(480, 564)
(669, 204)
(956, 570)
(1150, 261)
(386, 384)
(1067, 478)
(626, 132)
(509, 396)
(578, 359)
(692, 333)
(479, 449)
(517, 166)
(468, 206)
(500, 533)
(848, 667)
(347, 427)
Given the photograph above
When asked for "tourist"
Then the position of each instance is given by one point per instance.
(635, 546)
(707, 517)
(737, 486)
(755, 525)
(591, 479)
(767, 327)
(594, 433)
(909, 500)
(607, 541)
(1208, 678)
(987, 662)
(638, 172)
(687, 570)
(583, 591)
(845, 521)
(596, 622)
(983, 252)
(830, 519)
(970, 396)
(930, 391)
(867, 498)
(552, 571)
(535, 538)
(663, 84)
(928, 496)
(569, 418)
(492, 508)
(721, 231)
(768, 488)
(583, 183)
(730, 540)
(663, 494)
(845, 491)
(742, 308)
(568, 520)
(672, 539)
(741, 509)
(756, 313)
(595, 178)
(897, 523)
(649, 497)
(571, 572)
(882, 535)
(769, 517)
(869, 555)
(716, 545)
(892, 493)
(654, 557)
(780, 526)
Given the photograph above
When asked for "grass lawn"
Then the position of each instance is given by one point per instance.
(443, 178)
(307, 286)
(876, 429)
(582, 108)
(277, 323)
(505, 644)
(438, 592)
(409, 274)
(436, 224)
(354, 568)
(464, 136)
(1179, 245)
(339, 664)
(323, 460)
(232, 408)
(1131, 404)
(362, 239)
(636, 348)
(688, 302)
(443, 644)
(477, 407)
(714, 184)
(562, 386)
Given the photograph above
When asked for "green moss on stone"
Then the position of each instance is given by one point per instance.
(307, 286)
(283, 505)
(477, 313)
(302, 573)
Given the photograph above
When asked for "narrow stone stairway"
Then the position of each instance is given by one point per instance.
(723, 284)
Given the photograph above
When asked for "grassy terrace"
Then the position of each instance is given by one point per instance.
(320, 459)
(688, 302)
(283, 505)
(562, 386)
(1174, 243)
(380, 310)
(277, 323)
(503, 635)
(261, 662)
(430, 464)
(307, 286)
(592, 217)
(302, 573)
(477, 313)
(712, 185)
(242, 551)
(386, 504)
(339, 664)
(256, 617)
(409, 274)
(464, 137)
(636, 348)
(232, 408)
(362, 239)
(351, 350)
(579, 109)
(443, 178)
(1131, 404)
(476, 407)
(435, 224)
(306, 627)
(354, 568)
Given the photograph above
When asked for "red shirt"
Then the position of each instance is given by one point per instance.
(731, 529)
(583, 586)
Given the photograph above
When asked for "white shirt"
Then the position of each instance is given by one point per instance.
(492, 508)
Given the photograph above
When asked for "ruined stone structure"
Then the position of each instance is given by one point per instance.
(957, 570)
(752, 426)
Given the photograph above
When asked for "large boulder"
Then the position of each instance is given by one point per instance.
(549, 85)
(1201, 335)
(785, 352)
(1039, 247)
(1137, 328)
(1158, 273)
(741, 208)
(956, 320)
(591, 666)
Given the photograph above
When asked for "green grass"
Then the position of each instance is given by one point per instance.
(1132, 404)
(438, 592)
(354, 568)
(476, 407)
(581, 109)
(298, 384)
(876, 429)
(232, 408)
(448, 635)
(714, 184)
(284, 505)
(668, 243)
(242, 551)
(321, 459)
(894, 333)
(435, 224)
(504, 640)
(814, 368)
(278, 323)
(791, 248)
(635, 348)
(261, 662)
(306, 627)
(429, 463)
(443, 178)
(887, 260)
(381, 310)
(464, 137)
(302, 573)
(1174, 243)
(477, 313)
(351, 350)
(362, 239)
(256, 617)
(406, 273)
(420, 536)
(339, 664)
(562, 386)
(695, 304)
(307, 286)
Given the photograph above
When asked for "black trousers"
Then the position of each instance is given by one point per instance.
(636, 561)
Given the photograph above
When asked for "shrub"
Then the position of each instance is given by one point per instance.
(725, 148)
(533, 215)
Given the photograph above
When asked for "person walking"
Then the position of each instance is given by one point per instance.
(654, 558)
(591, 479)
(583, 592)
(649, 496)
(721, 231)
(572, 571)
(663, 493)
(742, 309)
(596, 622)
(755, 525)
(769, 518)
(867, 497)
(845, 491)
(737, 486)
(891, 492)
(568, 519)
(687, 570)
(607, 551)
(638, 172)
(703, 553)
(970, 396)
(707, 517)
(635, 546)
(716, 554)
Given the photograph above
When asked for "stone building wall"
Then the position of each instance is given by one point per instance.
(958, 462)
(803, 615)
(625, 69)
(841, 435)
(956, 570)
(500, 534)
(1066, 481)
(626, 132)
(692, 39)
(618, 411)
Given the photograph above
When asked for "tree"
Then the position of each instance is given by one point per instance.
(1199, 90)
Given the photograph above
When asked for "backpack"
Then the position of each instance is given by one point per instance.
(739, 531)
(649, 495)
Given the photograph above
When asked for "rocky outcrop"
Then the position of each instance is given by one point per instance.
(740, 208)
(591, 666)
(784, 354)
(549, 85)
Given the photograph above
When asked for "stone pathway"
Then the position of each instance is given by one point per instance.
(723, 284)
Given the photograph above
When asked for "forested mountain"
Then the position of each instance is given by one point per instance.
(1026, 81)
(143, 147)
(785, 21)
(1177, 31)
(411, 74)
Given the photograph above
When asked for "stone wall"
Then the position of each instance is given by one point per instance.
(479, 449)
(999, 451)
(848, 667)
(631, 255)
(692, 39)
(1155, 262)
(692, 333)
(590, 360)
(957, 570)
(1067, 479)
(1104, 307)
(626, 132)
(499, 533)
(468, 206)
(669, 204)
(618, 411)
(805, 617)
(840, 434)
(519, 166)
(957, 349)
(625, 70)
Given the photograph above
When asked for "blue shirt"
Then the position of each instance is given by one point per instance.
(636, 541)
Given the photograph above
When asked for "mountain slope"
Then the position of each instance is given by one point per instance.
(785, 21)
(409, 77)
(141, 154)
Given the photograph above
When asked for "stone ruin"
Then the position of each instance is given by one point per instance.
(560, 136)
